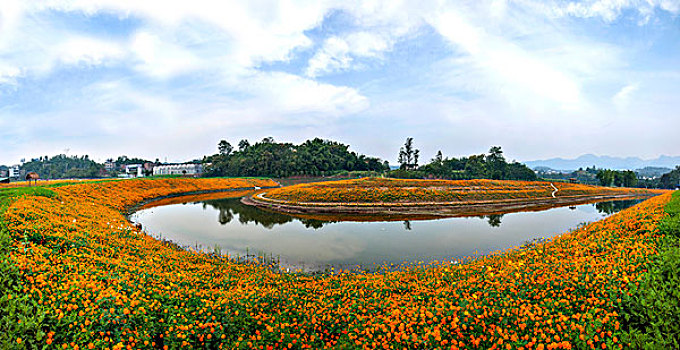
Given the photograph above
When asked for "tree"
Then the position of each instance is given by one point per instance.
(61, 166)
(224, 147)
(408, 156)
(606, 177)
(496, 163)
(670, 180)
(629, 179)
(243, 145)
(268, 158)
(475, 166)
(625, 178)
(438, 159)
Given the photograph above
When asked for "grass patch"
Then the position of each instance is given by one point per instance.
(651, 314)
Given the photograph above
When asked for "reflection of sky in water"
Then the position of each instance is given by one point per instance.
(352, 243)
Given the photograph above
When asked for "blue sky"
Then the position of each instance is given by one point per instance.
(169, 79)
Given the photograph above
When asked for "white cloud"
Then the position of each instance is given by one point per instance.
(8, 73)
(509, 63)
(32, 45)
(333, 56)
(256, 30)
(622, 98)
(85, 50)
(519, 74)
(161, 58)
(607, 10)
(289, 93)
(380, 25)
(338, 53)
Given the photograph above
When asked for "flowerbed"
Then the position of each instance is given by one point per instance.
(101, 284)
(383, 191)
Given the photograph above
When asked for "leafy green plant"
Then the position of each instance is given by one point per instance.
(651, 314)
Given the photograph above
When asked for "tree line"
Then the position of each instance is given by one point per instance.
(62, 166)
(77, 167)
(492, 165)
(670, 180)
(314, 157)
(618, 178)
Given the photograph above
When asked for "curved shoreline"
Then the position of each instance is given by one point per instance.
(433, 210)
(137, 206)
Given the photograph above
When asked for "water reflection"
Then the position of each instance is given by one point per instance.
(609, 208)
(231, 207)
(494, 220)
(313, 245)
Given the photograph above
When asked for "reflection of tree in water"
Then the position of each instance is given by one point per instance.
(615, 206)
(230, 207)
(407, 225)
(494, 220)
(313, 223)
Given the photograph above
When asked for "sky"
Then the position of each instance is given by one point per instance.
(170, 79)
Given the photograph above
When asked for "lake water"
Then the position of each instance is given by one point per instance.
(313, 245)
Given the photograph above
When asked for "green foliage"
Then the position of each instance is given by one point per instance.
(480, 166)
(407, 174)
(626, 178)
(670, 226)
(408, 156)
(651, 314)
(268, 158)
(670, 180)
(124, 160)
(61, 166)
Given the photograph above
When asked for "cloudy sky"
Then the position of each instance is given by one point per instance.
(169, 79)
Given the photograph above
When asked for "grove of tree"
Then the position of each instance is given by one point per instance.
(315, 157)
(482, 166)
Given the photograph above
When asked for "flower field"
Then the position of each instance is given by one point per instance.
(386, 191)
(98, 283)
(51, 183)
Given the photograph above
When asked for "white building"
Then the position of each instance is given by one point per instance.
(178, 169)
(134, 170)
(14, 172)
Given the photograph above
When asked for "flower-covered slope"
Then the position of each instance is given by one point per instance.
(386, 191)
(104, 285)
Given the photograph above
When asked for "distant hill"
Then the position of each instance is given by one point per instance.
(605, 162)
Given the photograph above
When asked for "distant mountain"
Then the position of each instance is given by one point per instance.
(605, 162)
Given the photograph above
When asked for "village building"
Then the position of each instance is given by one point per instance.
(14, 172)
(110, 165)
(178, 169)
(134, 170)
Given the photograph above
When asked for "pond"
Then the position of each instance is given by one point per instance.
(229, 227)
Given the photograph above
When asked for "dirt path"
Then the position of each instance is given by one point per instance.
(555, 190)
